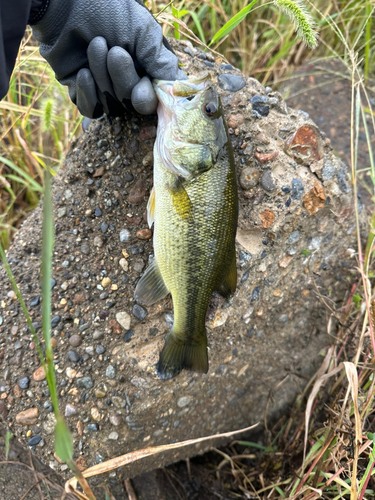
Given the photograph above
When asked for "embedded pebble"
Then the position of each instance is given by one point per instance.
(128, 335)
(85, 249)
(137, 193)
(100, 349)
(93, 427)
(98, 334)
(34, 440)
(39, 375)
(124, 319)
(113, 436)
(124, 264)
(115, 419)
(55, 321)
(294, 237)
(183, 401)
(249, 177)
(75, 341)
(85, 383)
(61, 212)
(110, 372)
(231, 83)
(125, 235)
(104, 227)
(297, 189)
(105, 282)
(139, 312)
(138, 266)
(35, 301)
(267, 181)
(73, 356)
(98, 242)
(144, 234)
(28, 417)
(90, 350)
(328, 171)
(24, 383)
(70, 410)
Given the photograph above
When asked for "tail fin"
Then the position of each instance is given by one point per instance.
(178, 355)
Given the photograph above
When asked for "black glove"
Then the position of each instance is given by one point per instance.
(100, 49)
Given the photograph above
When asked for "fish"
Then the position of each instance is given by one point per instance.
(194, 209)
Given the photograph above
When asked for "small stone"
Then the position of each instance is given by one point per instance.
(315, 199)
(135, 249)
(294, 237)
(39, 375)
(73, 356)
(139, 312)
(235, 121)
(115, 419)
(105, 282)
(297, 189)
(258, 98)
(34, 440)
(267, 181)
(328, 171)
(110, 372)
(75, 340)
(137, 193)
(65, 264)
(61, 212)
(55, 321)
(305, 145)
(285, 261)
(90, 350)
(104, 227)
(268, 218)
(85, 249)
(113, 436)
(115, 327)
(3, 409)
(98, 212)
(138, 266)
(100, 349)
(128, 335)
(35, 301)
(97, 335)
(231, 83)
(98, 242)
(95, 414)
(79, 298)
(342, 181)
(249, 177)
(84, 327)
(183, 401)
(266, 157)
(28, 417)
(70, 372)
(148, 159)
(134, 146)
(124, 264)
(98, 172)
(70, 410)
(24, 383)
(144, 234)
(93, 427)
(124, 319)
(169, 319)
(125, 235)
(102, 143)
(84, 383)
(283, 318)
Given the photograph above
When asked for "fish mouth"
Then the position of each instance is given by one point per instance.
(169, 92)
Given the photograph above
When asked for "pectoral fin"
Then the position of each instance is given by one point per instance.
(151, 208)
(228, 285)
(194, 158)
(181, 201)
(151, 287)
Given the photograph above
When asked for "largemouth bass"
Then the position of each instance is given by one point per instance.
(194, 209)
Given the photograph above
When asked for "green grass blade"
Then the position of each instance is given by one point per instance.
(8, 437)
(232, 23)
(175, 12)
(369, 10)
(197, 23)
(32, 183)
(63, 441)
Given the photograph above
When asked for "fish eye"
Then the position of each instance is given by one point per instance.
(210, 109)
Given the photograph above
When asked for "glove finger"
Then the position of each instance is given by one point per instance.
(87, 99)
(122, 72)
(97, 53)
(144, 98)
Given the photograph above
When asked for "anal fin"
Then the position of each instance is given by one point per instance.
(229, 284)
(151, 287)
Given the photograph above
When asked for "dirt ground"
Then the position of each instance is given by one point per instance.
(324, 92)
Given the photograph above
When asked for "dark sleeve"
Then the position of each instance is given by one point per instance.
(14, 16)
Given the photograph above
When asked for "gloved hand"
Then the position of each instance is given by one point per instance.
(100, 49)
